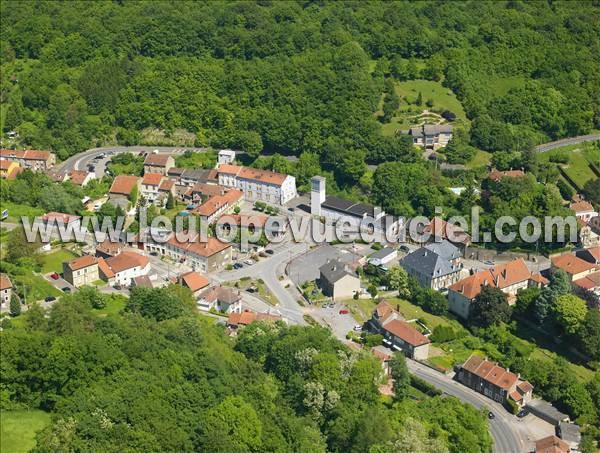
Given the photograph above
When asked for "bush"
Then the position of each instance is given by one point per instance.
(512, 407)
(443, 334)
(373, 340)
(424, 386)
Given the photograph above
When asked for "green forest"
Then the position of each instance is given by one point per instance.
(294, 77)
(157, 377)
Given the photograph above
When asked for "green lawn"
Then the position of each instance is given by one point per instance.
(15, 211)
(442, 97)
(113, 307)
(18, 429)
(481, 159)
(53, 260)
(37, 288)
(361, 309)
(579, 156)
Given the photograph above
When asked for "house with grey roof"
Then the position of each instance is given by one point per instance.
(337, 280)
(446, 250)
(430, 269)
(432, 136)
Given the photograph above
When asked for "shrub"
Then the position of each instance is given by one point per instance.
(512, 407)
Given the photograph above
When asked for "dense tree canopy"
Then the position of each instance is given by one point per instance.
(289, 76)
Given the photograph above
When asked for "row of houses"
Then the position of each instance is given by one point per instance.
(583, 269)
(32, 159)
(118, 270)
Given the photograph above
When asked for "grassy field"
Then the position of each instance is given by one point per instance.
(53, 261)
(15, 211)
(18, 429)
(579, 156)
(442, 97)
(481, 159)
(37, 287)
(113, 307)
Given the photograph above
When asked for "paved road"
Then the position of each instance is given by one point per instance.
(567, 141)
(82, 160)
(505, 431)
(269, 271)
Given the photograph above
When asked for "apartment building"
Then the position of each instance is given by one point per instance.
(81, 271)
(258, 184)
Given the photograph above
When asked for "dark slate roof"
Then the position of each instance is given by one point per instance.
(196, 175)
(445, 249)
(333, 270)
(569, 432)
(430, 129)
(347, 207)
(426, 262)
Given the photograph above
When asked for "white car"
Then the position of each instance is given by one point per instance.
(357, 328)
(249, 262)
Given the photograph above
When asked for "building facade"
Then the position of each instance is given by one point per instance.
(81, 271)
(258, 185)
(33, 159)
(6, 288)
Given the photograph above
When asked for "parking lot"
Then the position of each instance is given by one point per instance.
(306, 266)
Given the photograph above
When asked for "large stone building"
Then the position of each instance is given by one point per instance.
(256, 184)
(211, 255)
(508, 277)
(431, 269)
(32, 159)
(81, 271)
(494, 381)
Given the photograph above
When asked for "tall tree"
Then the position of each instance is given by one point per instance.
(490, 307)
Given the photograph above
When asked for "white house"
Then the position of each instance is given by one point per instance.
(258, 184)
(123, 268)
(226, 156)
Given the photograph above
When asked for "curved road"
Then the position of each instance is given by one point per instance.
(566, 141)
(505, 428)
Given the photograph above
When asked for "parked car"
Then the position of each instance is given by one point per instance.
(50, 299)
(488, 262)
(491, 415)
(66, 289)
(357, 328)
(325, 305)
(522, 413)
(269, 251)
(331, 305)
(249, 262)
(343, 311)
(54, 276)
(238, 265)
(153, 253)
(404, 248)
(117, 286)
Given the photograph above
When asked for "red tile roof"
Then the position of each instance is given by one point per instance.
(208, 189)
(590, 281)
(205, 249)
(572, 264)
(525, 386)
(5, 282)
(551, 444)
(123, 184)
(490, 372)
(214, 204)
(152, 179)
(78, 176)
(496, 175)
(404, 331)
(581, 206)
(166, 185)
(439, 228)
(82, 261)
(28, 154)
(109, 248)
(157, 160)
(500, 276)
(126, 260)
(253, 174)
(5, 164)
(105, 268)
(194, 281)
